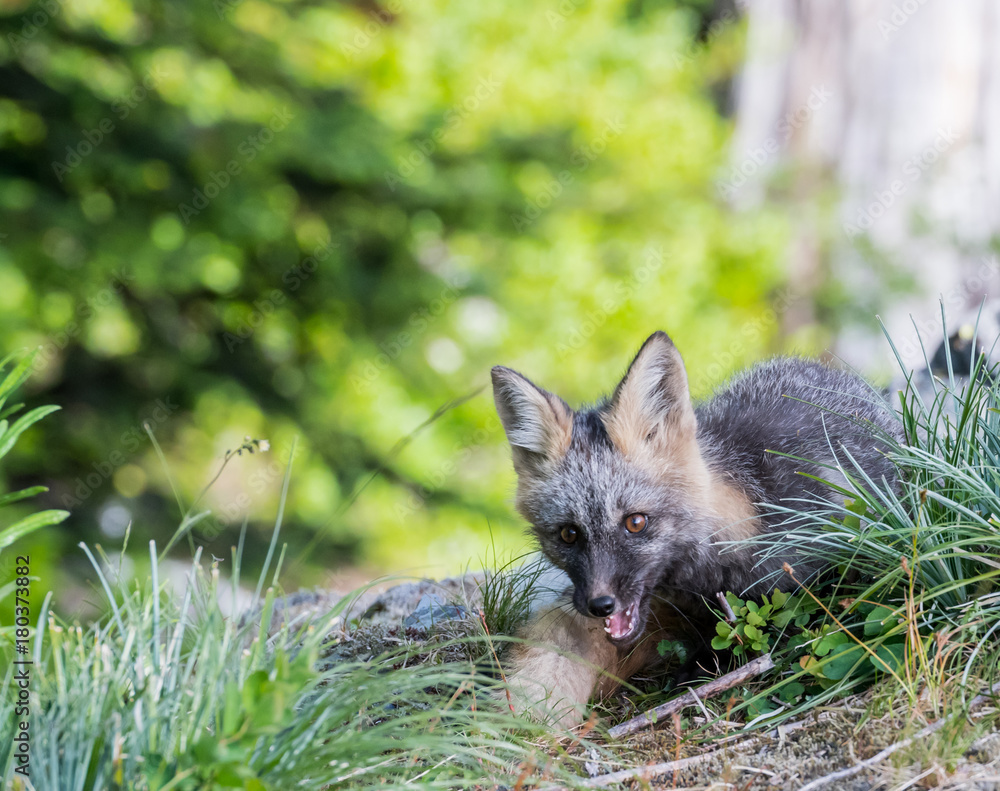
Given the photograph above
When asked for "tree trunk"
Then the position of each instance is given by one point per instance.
(879, 122)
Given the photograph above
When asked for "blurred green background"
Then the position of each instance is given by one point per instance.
(329, 220)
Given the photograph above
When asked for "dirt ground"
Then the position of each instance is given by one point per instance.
(791, 758)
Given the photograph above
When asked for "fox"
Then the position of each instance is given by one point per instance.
(639, 499)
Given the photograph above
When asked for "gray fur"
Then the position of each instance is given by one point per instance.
(785, 406)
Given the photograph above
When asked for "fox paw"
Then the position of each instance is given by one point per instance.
(547, 704)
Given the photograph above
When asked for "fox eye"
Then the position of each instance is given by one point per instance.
(568, 534)
(635, 523)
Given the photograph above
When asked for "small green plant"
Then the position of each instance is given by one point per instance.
(508, 591)
(251, 712)
(9, 434)
(758, 624)
(675, 648)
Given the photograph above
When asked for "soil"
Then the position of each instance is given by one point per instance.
(825, 744)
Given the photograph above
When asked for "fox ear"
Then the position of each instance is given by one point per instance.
(539, 425)
(652, 402)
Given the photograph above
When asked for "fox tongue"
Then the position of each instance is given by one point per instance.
(616, 625)
(619, 624)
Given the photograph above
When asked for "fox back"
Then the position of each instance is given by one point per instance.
(636, 498)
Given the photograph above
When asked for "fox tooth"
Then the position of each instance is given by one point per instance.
(607, 629)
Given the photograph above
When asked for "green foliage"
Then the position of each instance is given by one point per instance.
(758, 623)
(250, 714)
(326, 220)
(508, 589)
(170, 691)
(14, 581)
(832, 653)
(9, 434)
(676, 648)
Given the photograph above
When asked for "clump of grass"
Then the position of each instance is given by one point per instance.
(510, 589)
(915, 598)
(167, 692)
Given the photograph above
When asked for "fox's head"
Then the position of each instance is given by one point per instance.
(612, 493)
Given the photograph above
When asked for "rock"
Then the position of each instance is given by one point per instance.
(423, 602)
(433, 610)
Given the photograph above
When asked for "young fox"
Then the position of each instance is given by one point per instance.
(634, 499)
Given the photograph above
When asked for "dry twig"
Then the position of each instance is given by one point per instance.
(751, 669)
(651, 771)
(726, 608)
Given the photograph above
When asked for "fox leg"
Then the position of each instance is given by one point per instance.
(566, 660)
(556, 671)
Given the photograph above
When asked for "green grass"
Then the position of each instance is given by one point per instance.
(166, 691)
(169, 693)
(508, 589)
(914, 599)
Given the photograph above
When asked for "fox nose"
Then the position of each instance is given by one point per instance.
(601, 606)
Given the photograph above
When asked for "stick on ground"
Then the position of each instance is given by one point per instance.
(649, 718)
(653, 771)
(726, 608)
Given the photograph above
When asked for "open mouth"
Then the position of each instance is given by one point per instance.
(622, 625)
